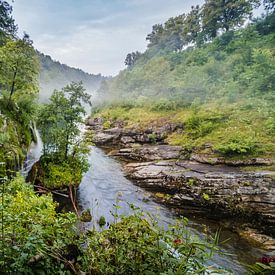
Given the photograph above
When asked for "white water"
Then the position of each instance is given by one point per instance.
(34, 154)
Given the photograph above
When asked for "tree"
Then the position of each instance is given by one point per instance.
(59, 120)
(224, 15)
(155, 36)
(131, 58)
(18, 67)
(7, 26)
(192, 25)
(174, 40)
(64, 159)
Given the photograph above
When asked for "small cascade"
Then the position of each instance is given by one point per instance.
(34, 154)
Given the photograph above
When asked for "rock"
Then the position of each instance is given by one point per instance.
(239, 162)
(95, 123)
(126, 140)
(86, 216)
(103, 138)
(203, 183)
(122, 135)
(149, 153)
(261, 240)
(251, 195)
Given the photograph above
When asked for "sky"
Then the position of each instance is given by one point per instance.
(93, 35)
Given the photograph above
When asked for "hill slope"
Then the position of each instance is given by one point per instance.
(222, 92)
(54, 75)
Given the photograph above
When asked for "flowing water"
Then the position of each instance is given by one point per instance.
(104, 186)
(34, 154)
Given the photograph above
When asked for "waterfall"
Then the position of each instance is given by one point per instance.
(34, 153)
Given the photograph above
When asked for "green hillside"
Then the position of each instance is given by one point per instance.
(54, 75)
(222, 90)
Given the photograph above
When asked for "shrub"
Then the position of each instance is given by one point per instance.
(163, 105)
(199, 125)
(137, 245)
(106, 125)
(239, 144)
(36, 238)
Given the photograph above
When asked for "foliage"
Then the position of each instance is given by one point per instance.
(19, 67)
(65, 149)
(132, 58)
(59, 120)
(238, 144)
(225, 15)
(262, 268)
(7, 26)
(59, 174)
(136, 244)
(35, 239)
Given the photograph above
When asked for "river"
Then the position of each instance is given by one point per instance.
(104, 185)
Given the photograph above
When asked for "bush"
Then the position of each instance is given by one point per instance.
(239, 144)
(137, 245)
(199, 125)
(163, 105)
(36, 238)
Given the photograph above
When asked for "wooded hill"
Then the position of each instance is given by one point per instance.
(217, 79)
(55, 75)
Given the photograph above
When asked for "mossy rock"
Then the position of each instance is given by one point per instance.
(86, 216)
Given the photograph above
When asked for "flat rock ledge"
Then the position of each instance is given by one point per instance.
(222, 188)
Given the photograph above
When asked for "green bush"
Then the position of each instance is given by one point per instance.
(137, 245)
(107, 125)
(35, 238)
(239, 144)
(163, 105)
(199, 125)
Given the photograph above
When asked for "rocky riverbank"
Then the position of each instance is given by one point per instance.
(213, 186)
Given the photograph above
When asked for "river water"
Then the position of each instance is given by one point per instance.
(104, 186)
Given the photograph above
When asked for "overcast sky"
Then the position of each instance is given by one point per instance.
(94, 35)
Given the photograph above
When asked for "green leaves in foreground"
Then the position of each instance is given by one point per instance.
(34, 239)
(137, 245)
(37, 240)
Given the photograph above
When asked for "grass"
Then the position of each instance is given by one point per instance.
(233, 130)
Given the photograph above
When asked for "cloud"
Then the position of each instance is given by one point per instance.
(93, 35)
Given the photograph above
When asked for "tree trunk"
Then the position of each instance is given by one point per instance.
(72, 197)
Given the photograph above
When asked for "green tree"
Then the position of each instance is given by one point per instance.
(155, 36)
(224, 15)
(132, 58)
(64, 159)
(192, 25)
(18, 67)
(173, 32)
(59, 120)
(7, 26)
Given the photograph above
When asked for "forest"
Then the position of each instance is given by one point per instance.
(209, 72)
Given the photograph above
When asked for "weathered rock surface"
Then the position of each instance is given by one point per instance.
(221, 187)
(149, 153)
(120, 136)
(240, 162)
